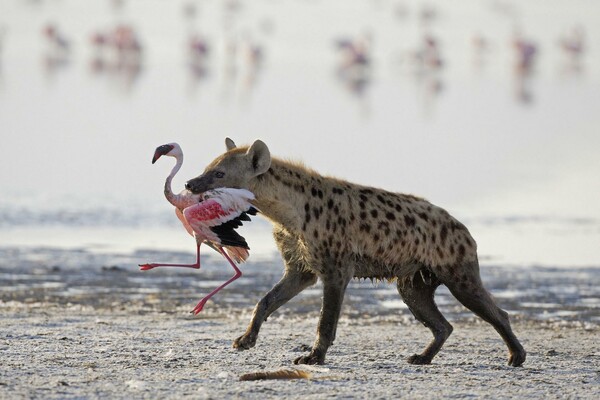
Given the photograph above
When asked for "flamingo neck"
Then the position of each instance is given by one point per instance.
(171, 197)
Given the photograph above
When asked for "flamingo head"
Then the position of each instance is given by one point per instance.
(170, 150)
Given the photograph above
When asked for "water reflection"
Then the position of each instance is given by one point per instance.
(57, 51)
(573, 46)
(424, 64)
(300, 64)
(354, 67)
(236, 55)
(525, 51)
(54, 276)
(117, 53)
(229, 40)
(253, 62)
(198, 56)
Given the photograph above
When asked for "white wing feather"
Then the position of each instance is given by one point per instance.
(232, 203)
(231, 199)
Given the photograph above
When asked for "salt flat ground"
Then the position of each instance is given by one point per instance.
(81, 352)
(73, 325)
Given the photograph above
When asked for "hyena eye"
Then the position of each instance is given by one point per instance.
(219, 174)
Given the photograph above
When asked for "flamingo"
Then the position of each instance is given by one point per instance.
(210, 217)
(574, 43)
(56, 39)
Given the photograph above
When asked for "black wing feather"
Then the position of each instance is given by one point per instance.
(229, 237)
(226, 231)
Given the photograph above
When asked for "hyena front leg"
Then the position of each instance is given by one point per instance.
(292, 283)
(333, 296)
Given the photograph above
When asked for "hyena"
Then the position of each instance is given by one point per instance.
(335, 230)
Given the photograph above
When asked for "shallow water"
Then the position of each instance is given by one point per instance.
(521, 171)
(513, 156)
(54, 276)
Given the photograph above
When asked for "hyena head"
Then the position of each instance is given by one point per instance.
(236, 168)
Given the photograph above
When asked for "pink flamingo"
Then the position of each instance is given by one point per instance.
(55, 37)
(199, 51)
(355, 52)
(198, 47)
(574, 43)
(210, 217)
(526, 51)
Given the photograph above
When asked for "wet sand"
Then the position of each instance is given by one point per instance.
(108, 330)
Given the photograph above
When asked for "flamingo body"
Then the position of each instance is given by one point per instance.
(215, 219)
(211, 217)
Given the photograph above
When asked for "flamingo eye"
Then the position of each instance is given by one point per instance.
(219, 174)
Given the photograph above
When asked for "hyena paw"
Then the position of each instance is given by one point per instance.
(517, 359)
(244, 342)
(418, 359)
(311, 359)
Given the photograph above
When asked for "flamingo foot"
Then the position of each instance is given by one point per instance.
(199, 306)
(146, 267)
(196, 265)
(202, 302)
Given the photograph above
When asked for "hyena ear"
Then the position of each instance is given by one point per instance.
(259, 157)
(229, 144)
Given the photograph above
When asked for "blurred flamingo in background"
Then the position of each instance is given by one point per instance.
(58, 49)
(118, 52)
(254, 54)
(198, 47)
(56, 40)
(354, 67)
(198, 50)
(525, 51)
(126, 41)
(573, 45)
(429, 55)
(355, 52)
(210, 217)
(122, 41)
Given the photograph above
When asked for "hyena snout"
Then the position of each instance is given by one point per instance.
(198, 185)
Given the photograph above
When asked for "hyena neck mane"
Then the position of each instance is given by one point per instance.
(283, 191)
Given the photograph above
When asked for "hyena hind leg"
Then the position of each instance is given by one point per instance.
(470, 292)
(418, 296)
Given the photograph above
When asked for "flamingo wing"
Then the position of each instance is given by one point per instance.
(217, 218)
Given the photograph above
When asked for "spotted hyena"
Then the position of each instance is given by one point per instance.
(335, 230)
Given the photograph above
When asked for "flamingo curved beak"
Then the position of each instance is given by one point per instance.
(161, 151)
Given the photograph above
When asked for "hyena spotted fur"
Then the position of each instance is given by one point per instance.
(335, 230)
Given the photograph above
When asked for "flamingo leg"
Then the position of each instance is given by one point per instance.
(238, 273)
(146, 267)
